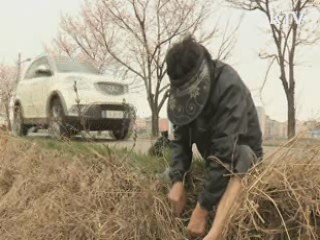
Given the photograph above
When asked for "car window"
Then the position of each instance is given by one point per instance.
(66, 65)
(31, 72)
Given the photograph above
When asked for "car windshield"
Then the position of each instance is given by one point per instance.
(69, 65)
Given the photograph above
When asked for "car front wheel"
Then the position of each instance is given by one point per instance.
(57, 126)
(19, 128)
(120, 134)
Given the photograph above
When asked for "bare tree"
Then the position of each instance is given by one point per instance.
(7, 86)
(289, 31)
(136, 35)
(81, 46)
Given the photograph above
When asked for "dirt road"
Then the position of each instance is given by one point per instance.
(141, 145)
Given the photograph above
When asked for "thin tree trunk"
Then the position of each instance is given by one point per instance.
(155, 123)
(291, 116)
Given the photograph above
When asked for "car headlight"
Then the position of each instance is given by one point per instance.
(77, 109)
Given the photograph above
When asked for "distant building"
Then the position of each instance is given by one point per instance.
(275, 129)
(302, 129)
(141, 124)
(262, 118)
(163, 124)
(271, 129)
(315, 134)
(144, 124)
(313, 129)
(283, 130)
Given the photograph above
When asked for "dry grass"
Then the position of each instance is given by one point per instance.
(50, 195)
(282, 197)
(46, 195)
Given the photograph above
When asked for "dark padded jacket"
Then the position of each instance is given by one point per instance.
(228, 120)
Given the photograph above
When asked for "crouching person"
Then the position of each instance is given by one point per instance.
(210, 106)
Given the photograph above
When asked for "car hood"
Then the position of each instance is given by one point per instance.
(89, 78)
(87, 93)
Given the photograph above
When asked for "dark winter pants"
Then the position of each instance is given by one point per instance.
(218, 175)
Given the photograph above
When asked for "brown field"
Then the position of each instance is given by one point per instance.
(88, 191)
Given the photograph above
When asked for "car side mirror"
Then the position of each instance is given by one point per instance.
(44, 70)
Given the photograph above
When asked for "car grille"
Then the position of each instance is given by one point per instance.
(96, 111)
(111, 88)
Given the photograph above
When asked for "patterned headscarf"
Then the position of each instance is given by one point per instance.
(187, 100)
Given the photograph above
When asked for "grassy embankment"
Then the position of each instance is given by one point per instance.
(80, 190)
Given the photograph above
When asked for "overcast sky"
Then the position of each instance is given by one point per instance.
(27, 25)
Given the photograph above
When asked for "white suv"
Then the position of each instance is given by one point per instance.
(67, 96)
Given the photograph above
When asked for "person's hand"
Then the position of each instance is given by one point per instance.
(198, 222)
(177, 197)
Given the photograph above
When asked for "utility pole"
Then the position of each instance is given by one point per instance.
(18, 69)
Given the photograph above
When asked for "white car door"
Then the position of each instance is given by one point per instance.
(37, 77)
(24, 91)
(41, 85)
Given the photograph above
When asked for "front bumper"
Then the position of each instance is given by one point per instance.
(91, 117)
